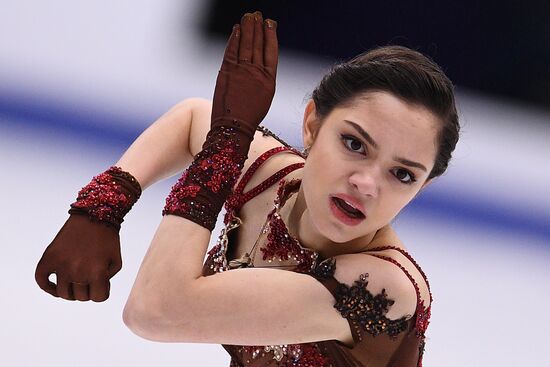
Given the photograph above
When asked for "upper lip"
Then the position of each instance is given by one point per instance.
(353, 201)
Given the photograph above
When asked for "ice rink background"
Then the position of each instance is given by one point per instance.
(78, 82)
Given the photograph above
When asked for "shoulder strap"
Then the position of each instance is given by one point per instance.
(276, 177)
(410, 258)
(395, 262)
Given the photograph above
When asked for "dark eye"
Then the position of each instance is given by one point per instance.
(353, 145)
(404, 176)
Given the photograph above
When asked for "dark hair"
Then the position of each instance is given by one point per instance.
(406, 74)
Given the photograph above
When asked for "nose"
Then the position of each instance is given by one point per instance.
(365, 182)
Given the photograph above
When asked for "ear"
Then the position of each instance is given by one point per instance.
(311, 124)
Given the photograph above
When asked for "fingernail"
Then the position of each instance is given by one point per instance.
(270, 23)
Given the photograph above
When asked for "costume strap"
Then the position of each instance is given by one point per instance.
(238, 198)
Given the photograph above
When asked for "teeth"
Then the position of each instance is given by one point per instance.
(353, 206)
(356, 213)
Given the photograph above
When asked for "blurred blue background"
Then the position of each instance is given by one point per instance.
(80, 81)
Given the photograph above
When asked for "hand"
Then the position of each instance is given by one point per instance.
(246, 81)
(84, 255)
(243, 95)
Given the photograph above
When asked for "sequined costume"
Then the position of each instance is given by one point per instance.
(377, 340)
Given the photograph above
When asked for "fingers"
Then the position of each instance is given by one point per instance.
(99, 290)
(41, 276)
(247, 38)
(254, 41)
(232, 48)
(80, 291)
(271, 47)
(258, 49)
(114, 266)
(69, 289)
(64, 288)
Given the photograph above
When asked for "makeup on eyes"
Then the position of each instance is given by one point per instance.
(346, 137)
(374, 144)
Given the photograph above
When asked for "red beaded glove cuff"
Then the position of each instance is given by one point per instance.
(201, 191)
(108, 197)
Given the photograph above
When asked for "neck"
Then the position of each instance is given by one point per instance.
(298, 220)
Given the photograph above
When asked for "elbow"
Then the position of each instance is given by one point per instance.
(136, 322)
(154, 326)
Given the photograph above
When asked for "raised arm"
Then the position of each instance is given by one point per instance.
(85, 253)
(172, 301)
(167, 146)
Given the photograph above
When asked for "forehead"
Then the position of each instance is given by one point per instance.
(387, 105)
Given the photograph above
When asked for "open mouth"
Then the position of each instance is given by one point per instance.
(347, 209)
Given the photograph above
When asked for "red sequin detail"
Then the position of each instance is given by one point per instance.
(106, 199)
(287, 355)
(215, 169)
(280, 244)
(238, 198)
(311, 357)
(422, 313)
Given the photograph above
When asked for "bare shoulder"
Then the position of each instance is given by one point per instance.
(202, 109)
(393, 268)
(380, 279)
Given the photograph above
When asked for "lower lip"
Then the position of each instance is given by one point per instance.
(342, 216)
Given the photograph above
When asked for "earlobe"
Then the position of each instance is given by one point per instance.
(310, 125)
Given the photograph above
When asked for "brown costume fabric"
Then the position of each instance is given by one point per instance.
(403, 350)
(244, 90)
(91, 236)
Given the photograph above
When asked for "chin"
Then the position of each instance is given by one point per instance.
(336, 235)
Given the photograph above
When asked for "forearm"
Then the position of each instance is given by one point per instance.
(168, 273)
(170, 288)
(162, 149)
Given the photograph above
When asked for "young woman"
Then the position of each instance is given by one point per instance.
(307, 271)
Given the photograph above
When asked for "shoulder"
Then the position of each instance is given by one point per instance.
(367, 276)
(391, 267)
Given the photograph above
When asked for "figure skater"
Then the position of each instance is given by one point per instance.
(307, 270)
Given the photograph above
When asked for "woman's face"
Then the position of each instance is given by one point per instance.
(376, 154)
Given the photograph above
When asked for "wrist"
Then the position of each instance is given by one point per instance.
(108, 197)
(201, 191)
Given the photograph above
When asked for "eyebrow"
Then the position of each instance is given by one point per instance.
(406, 162)
(363, 133)
(371, 141)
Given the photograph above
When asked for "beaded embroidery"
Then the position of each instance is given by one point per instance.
(288, 355)
(353, 302)
(108, 197)
(325, 269)
(422, 313)
(281, 245)
(216, 168)
(363, 308)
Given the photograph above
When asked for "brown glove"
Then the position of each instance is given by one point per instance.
(244, 90)
(85, 253)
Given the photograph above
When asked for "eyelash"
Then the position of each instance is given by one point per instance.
(349, 137)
